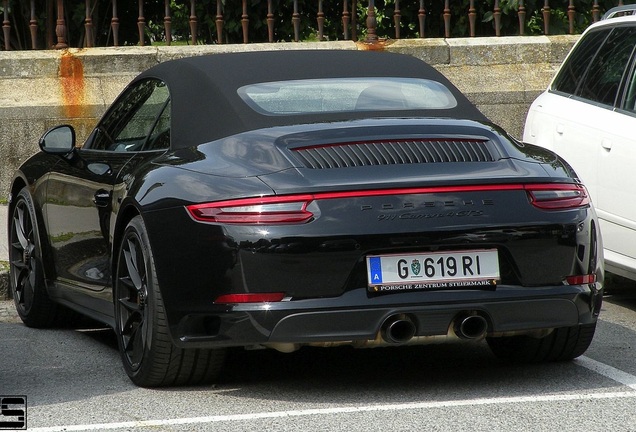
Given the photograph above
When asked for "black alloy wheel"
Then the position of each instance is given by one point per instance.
(132, 294)
(148, 354)
(26, 273)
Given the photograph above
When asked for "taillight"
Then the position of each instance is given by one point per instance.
(250, 298)
(558, 196)
(255, 211)
(580, 279)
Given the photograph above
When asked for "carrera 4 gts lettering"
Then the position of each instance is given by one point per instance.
(418, 216)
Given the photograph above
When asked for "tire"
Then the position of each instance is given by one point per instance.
(562, 344)
(148, 354)
(26, 271)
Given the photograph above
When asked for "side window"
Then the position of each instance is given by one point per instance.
(573, 70)
(160, 136)
(630, 92)
(138, 120)
(607, 69)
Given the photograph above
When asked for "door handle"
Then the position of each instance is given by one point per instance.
(560, 129)
(606, 144)
(101, 198)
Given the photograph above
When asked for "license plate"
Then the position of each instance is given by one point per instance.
(435, 270)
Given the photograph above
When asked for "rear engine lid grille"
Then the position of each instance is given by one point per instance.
(395, 152)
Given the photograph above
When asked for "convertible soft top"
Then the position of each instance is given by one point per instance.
(206, 105)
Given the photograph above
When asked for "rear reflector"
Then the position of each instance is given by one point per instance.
(558, 196)
(581, 279)
(250, 298)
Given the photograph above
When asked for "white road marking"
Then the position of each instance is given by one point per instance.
(339, 410)
(607, 371)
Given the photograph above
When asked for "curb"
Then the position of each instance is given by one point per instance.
(8, 313)
(4, 285)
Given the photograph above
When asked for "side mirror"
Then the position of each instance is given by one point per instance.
(59, 140)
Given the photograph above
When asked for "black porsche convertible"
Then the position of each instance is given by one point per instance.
(302, 198)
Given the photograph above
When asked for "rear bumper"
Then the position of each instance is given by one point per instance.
(355, 316)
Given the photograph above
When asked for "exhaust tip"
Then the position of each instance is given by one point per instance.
(398, 329)
(471, 326)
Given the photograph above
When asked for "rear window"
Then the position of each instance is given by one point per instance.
(346, 95)
(574, 68)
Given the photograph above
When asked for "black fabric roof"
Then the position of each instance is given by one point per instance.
(206, 106)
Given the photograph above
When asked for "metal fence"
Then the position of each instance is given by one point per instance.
(46, 24)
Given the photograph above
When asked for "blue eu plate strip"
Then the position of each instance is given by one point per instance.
(375, 266)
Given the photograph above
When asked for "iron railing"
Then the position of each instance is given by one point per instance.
(48, 23)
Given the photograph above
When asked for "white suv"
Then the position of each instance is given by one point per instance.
(588, 116)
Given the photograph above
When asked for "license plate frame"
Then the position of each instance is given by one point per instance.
(472, 268)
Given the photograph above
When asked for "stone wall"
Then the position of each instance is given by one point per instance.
(40, 89)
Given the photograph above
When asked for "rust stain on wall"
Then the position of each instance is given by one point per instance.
(73, 85)
(379, 45)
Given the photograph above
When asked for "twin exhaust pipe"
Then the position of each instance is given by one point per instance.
(470, 326)
(400, 328)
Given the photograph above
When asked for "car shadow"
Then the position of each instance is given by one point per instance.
(620, 291)
(391, 375)
(314, 376)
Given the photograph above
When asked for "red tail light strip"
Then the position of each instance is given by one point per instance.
(293, 209)
(250, 298)
(393, 141)
(417, 191)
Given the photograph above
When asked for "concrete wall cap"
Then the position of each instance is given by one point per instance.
(494, 41)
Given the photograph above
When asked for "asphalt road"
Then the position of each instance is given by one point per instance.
(73, 380)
